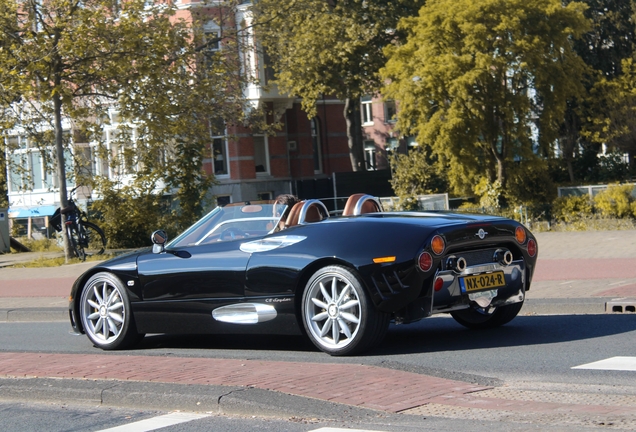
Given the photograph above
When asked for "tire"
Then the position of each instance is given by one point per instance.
(75, 243)
(479, 318)
(106, 315)
(93, 239)
(338, 315)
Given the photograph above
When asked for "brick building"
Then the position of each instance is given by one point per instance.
(246, 165)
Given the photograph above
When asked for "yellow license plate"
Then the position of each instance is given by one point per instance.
(483, 281)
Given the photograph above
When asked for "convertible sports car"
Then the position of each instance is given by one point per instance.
(339, 280)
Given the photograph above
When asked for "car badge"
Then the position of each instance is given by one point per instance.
(481, 233)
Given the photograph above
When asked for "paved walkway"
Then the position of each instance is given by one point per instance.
(571, 267)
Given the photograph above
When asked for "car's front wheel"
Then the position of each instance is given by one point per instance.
(338, 315)
(482, 318)
(105, 313)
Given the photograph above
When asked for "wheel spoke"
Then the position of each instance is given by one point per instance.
(320, 317)
(319, 303)
(349, 304)
(334, 288)
(112, 326)
(325, 329)
(113, 293)
(104, 292)
(344, 327)
(323, 290)
(106, 330)
(344, 292)
(92, 303)
(116, 306)
(99, 324)
(350, 317)
(116, 317)
(93, 316)
(335, 332)
(97, 296)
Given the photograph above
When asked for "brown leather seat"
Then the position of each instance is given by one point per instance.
(358, 204)
(294, 214)
(306, 212)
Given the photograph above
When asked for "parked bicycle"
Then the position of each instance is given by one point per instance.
(85, 237)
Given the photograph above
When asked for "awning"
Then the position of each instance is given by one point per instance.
(27, 212)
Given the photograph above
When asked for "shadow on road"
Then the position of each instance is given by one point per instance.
(444, 334)
(429, 335)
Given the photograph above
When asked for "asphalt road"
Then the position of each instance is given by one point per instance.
(524, 369)
(531, 348)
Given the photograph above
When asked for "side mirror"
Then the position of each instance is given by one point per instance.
(159, 239)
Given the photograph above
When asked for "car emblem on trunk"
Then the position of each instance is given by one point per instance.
(481, 233)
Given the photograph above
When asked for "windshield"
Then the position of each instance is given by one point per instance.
(231, 222)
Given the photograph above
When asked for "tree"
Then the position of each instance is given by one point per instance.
(74, 62)
(485, 82)
(603, 48)
(415, 174)
(331, 47)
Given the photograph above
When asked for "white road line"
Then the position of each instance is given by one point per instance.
(328, 429)
(157, 422)
(613, 363)
(566, 282)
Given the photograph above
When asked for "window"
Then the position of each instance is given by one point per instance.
(219, 154)
(219, 148)
(390, 113)
(367, 111)
(27, 165)
(261, 159)
(222, 200)
(212, 42)
(316, 144)
(369, 155)
(266, 196)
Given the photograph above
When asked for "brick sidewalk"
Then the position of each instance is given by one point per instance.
(359, 385)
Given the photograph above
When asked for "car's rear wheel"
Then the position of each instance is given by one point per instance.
(338, 315)
(482, 318)
(105, 313)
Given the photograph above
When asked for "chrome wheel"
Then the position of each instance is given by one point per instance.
(104, 310)
(337, 314)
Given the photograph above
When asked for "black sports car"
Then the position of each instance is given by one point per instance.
(339, 280)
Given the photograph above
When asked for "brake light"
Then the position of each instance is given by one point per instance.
(425, 261)
(439, 283)
(532, 247)
(438, 245)
(520, 234)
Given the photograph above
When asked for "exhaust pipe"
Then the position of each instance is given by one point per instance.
(503, 257)
(457, 264)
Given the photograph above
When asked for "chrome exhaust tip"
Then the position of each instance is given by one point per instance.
(457, 264)
(503, 257)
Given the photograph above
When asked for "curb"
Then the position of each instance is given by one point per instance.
(214, 399)
(42, 314)
(556, 306)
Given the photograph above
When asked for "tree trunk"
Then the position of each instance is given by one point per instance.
(354, 133)
(61, 171)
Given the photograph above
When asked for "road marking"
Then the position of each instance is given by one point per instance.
(157, 422)
(567, 282)
(614, 363)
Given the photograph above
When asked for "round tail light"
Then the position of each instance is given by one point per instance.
(439, 283)
(532, 247)
(520, 234)
(425, 261)
(438, 245)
